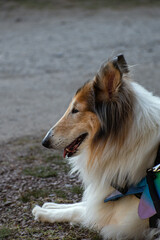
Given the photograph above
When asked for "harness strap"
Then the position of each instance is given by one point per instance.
(153, 192)
(157, 160)
(156, 201)
(153, 221)
(122, 190)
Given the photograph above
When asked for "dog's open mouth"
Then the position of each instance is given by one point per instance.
(73, 147)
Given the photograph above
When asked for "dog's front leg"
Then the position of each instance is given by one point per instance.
(75, 213)
(51, 205)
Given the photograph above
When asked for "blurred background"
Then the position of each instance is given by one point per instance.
(49, 48)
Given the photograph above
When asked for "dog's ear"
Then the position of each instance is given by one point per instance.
(120, 63)
(113, 98)
(108, 79)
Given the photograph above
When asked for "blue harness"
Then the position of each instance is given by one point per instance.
(139, 188)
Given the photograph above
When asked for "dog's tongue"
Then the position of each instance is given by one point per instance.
(71, 149)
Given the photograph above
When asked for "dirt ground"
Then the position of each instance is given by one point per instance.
(31, 175)
(45, 55)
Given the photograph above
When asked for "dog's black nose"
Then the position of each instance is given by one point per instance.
(46, 142)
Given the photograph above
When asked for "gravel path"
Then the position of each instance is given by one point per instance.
(45, 55)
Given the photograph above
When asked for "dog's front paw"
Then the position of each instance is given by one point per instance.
(40, 214)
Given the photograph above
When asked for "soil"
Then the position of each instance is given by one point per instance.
(46, 52)
(31, 175)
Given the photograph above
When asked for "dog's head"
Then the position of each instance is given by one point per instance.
(99, 110)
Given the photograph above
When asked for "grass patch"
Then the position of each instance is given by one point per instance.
(40, 171)
(60, 193)
(77, 190)
(22, 140)
(61, 231)
(5, 232)
(27, 196)
(32, 231)
(27, 158)
(57, 159)
(78, 233)
(89, 4)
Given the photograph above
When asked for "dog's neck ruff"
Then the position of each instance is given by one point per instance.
(149, 190)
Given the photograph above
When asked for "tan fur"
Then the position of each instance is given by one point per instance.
(109, 80)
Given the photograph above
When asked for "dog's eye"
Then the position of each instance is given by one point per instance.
(74, 110)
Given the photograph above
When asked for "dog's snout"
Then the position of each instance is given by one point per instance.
(46, 142)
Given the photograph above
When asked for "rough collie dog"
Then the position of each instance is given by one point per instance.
(110, 134)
